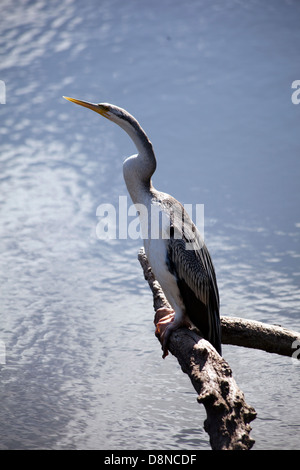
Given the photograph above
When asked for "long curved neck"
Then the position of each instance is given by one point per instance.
(137, 134)
(139, 168)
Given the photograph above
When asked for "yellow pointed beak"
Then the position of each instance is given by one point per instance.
(98, 108)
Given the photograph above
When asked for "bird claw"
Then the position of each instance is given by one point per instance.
(165, 325)
(163, 320)
(166, 317)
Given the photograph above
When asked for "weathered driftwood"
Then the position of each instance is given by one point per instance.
(228, 414)
(257, 335)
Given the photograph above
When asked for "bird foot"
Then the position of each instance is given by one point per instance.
(163, 318)
(165, 325)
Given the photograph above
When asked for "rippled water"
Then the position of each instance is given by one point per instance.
(210, 82)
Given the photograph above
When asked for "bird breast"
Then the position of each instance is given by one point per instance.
(156, 251)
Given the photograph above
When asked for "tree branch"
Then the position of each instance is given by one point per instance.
(257, 335)
(235, 331)
(228, 414)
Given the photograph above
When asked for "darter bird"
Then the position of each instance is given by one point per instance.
(175, 249)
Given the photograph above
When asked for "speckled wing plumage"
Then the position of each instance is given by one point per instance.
(189, 261)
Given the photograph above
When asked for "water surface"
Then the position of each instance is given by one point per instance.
(210, 83)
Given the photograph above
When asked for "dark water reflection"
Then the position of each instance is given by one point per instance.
(208, 80)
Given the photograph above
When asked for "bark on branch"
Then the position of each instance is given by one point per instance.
(257, 335)
(228, 414)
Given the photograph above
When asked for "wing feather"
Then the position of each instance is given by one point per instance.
(189, 260)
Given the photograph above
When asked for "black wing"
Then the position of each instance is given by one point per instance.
(189, 260)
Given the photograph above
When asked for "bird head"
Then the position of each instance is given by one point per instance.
(126, 121)
(111, 112)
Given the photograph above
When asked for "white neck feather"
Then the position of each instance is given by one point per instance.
(137, 169)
